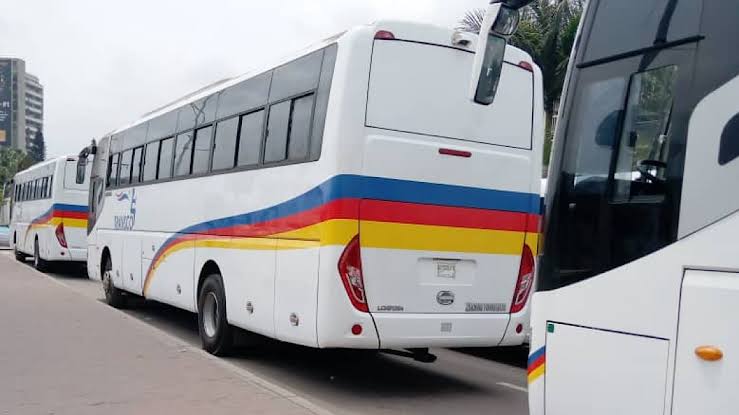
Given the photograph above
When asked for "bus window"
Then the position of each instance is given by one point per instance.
(125, 168)
(183, 154)
(642, 154)
(136, 165)
(277, 129)
(113, 170)
(250, 138)
(300, 122)
(151, 155)
(165, 158)
(201, 150)
(224, 145)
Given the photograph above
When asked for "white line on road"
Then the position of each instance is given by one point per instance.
(512, 386)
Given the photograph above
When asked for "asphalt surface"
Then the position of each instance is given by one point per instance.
(476, 381)
(62, 353)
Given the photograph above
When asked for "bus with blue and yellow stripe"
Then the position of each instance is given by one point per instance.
(48, 212)
(351, 196)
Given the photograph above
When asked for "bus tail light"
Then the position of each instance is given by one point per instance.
(526, 66)
(385, 35)
(525, 280)
(59, 232)
(350, 270)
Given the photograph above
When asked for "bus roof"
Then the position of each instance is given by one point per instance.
(404, 30)
(44, 163)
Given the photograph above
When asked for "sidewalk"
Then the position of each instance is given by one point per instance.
(62, 353)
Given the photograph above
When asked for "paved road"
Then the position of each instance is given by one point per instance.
(482, 381)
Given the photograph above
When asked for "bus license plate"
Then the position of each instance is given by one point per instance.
(446, 269)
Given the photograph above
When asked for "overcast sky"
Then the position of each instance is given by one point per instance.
(103, 63)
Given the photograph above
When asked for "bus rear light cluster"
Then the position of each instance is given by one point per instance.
(525, 280)
(525, 65)
(384, 35)
(59, 232)
(350, 271)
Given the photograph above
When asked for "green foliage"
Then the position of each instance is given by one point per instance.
(547, 32)
(36, 147)
(12, 161)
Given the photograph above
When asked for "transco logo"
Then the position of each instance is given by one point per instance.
(126, 222)
(445, 298)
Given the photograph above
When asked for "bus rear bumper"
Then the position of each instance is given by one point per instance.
(402, 331)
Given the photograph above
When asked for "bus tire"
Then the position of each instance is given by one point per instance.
(19, 256)
(216, 334)
(39, 263)
(114, 297)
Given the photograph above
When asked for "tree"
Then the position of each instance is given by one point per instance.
(11, 162)
(547, 32)
(36, 147)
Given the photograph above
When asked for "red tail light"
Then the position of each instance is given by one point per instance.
(525, 280)
(350, 270)
(384, 35)
(59, 232)
(525, 65)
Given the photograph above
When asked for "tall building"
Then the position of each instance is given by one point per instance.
(21, 104)
(34, 106)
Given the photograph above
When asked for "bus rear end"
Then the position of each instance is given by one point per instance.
(449, 212)
(70, 211)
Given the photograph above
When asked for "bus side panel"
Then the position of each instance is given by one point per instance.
(169, 278)
(296, 291)
(247, 267)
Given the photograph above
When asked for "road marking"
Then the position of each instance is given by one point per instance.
(512, 386)
(172, 340)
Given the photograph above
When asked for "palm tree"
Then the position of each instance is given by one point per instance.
(547, 32)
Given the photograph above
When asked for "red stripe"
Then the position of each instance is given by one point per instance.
(338, 209)
(400, 212)
(68, 214)
(536, 363)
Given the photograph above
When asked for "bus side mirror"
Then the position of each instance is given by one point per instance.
(499, 24)
(81, 170)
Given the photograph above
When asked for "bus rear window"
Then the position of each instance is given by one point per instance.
(423, 89)
(70, 176)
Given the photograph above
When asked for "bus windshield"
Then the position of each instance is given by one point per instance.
(617, 167)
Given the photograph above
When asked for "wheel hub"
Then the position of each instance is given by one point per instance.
(211, 314)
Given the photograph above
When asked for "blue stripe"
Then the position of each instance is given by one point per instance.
(72, 208)
(363, 187)
(536, 355)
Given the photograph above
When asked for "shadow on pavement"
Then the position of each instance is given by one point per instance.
(360, 374)
(515, 356)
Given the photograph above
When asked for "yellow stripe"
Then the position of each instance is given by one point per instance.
(338, 232)
(70, 223)
(537, 373)
(440, 238)
(330, 232)
(532, 240)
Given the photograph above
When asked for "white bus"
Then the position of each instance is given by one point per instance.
(48, 213)
(638, 285)
(351, 196)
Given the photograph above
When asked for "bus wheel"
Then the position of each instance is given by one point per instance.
(215, 332)
(113, 296)
(38, 262)
(19, 256)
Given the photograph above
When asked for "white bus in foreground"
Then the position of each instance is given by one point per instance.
(638, 290)
(353, 196)
(48, 213)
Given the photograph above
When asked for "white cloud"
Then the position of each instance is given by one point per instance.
(104, 63)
